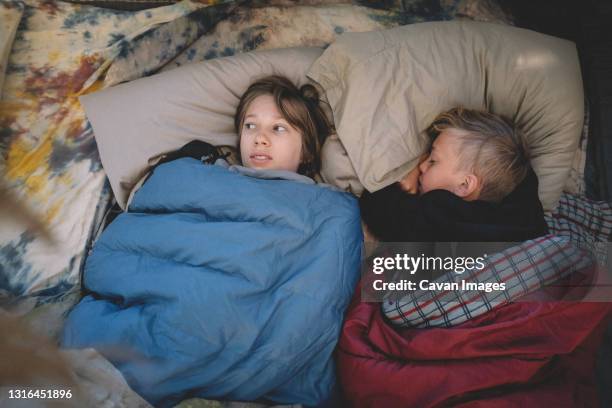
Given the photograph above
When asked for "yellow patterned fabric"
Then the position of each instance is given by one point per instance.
(60, 51)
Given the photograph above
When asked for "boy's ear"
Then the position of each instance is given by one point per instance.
(469, 188)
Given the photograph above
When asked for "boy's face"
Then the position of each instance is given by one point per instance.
(267, 141)
(441, 170)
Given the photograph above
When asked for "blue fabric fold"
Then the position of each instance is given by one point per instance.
(220, 285)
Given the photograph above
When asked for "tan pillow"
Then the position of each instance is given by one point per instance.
(139, 120)
(336, 167)
(386, 87)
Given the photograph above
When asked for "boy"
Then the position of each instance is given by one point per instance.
(476, 185)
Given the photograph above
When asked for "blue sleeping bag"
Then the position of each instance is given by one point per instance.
(220, 285)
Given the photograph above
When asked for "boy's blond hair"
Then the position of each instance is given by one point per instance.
(491, 147)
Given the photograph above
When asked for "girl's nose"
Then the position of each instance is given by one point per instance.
(261, 139)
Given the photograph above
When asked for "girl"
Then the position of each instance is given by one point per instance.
(281, 127)
(195, 290)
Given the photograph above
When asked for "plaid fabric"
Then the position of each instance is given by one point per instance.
(576, 183)
(577, 228)
(587, 223)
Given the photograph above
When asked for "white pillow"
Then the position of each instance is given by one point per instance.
(386, 87)
(139, 120)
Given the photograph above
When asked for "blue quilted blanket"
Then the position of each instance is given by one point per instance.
(221, 285)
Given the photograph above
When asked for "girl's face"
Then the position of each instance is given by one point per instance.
(267, 141)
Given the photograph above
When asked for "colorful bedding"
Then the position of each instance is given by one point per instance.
(580, 232)
(51, 162)
(521, 354)
(223, 285)
(62, 50)
(481, 349)
(523, 268)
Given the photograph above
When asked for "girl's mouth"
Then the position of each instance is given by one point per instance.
(260, 157)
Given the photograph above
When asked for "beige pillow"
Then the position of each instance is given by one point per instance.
(137, 121)
(386, 87)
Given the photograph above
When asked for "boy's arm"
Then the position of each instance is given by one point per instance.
(391, 214)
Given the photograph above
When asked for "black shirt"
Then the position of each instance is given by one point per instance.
(393, 215)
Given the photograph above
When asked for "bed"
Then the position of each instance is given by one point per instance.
(50, 159)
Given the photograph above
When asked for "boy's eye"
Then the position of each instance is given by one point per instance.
(280, 128)
(249, 126)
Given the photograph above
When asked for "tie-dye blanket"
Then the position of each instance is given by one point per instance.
(59, 51)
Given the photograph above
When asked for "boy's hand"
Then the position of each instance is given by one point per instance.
(410, 182)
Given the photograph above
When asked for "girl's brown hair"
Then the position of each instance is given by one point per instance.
(491, 146)
(300, 107)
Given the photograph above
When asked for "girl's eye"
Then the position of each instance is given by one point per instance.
(249, 126)
(280, 128)
(431, 161)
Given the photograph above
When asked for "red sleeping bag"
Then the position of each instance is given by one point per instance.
(520, 354)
